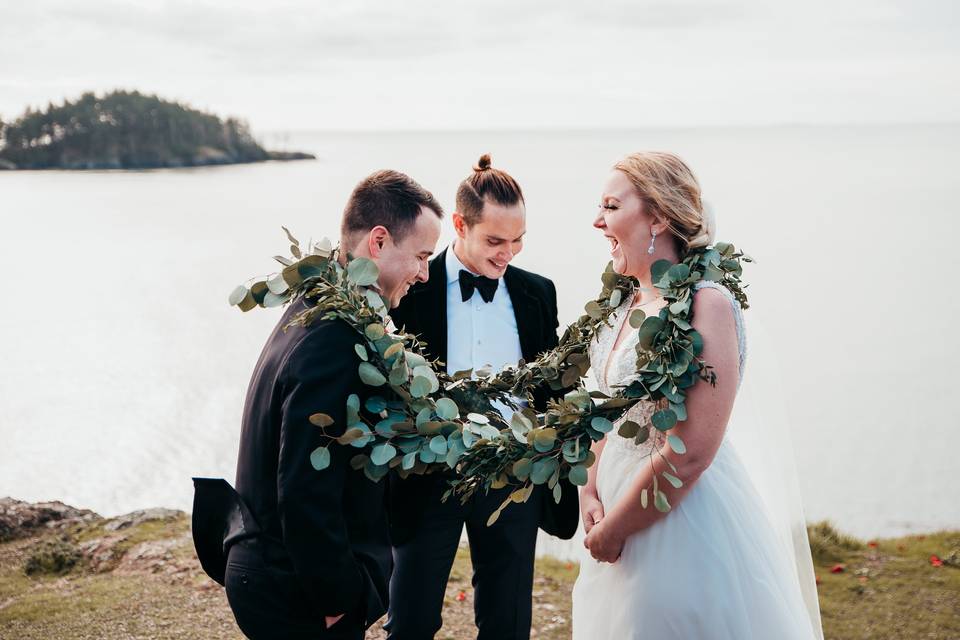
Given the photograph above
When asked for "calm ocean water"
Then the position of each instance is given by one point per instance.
(123, 369)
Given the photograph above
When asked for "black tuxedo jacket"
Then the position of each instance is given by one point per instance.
(423, 312)
(331, 525)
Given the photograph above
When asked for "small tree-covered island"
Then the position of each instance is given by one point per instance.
(128, 130)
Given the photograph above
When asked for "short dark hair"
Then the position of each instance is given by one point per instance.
(386, 198)
(486, 182)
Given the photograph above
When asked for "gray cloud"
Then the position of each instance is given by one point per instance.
(497, 63)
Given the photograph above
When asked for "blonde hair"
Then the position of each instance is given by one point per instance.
(671, 191)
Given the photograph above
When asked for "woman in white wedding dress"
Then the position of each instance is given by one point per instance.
(713, 566)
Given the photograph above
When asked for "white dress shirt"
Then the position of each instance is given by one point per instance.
(479, 333)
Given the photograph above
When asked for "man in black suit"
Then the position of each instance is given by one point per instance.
(475, 310)
(319, 566)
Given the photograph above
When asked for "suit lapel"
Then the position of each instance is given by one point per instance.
(434, 312)
(526, 311)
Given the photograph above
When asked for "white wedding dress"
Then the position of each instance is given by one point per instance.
(712, 568)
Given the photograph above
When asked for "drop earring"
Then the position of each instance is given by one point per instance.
(653, 239)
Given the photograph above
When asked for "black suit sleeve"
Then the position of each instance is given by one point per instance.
(551, 322)
(548, 341)
(320, 373)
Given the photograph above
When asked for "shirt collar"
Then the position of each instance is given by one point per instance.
(454, 266)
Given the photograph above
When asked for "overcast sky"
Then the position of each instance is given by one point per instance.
(354, 64)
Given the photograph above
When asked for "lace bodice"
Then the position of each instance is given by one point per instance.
(613, 370)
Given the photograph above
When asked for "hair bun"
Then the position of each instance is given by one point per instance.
(483, 164)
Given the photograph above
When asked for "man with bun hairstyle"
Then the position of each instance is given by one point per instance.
(476, 310)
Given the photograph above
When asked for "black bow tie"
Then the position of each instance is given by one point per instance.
(469, 282)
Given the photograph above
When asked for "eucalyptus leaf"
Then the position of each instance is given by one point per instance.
(409, 460)
(543, 439)
(661, 503)
(642, 435)
(383, 453)
(420, 387)
(680, 409)
(672, 479)
(259, 290)
(350, 436)
(629, 429)
(648, 331)
(361, 351)
(616, 297)
(353, 408)
(637, 316)
(522, 468)
(272, 300)
(678, 272)
(291, 275)
(543, 469)
(428, 373)
(658, 269)
(578, 475)
(601, 424)
(415, 360)
(374, 331)
(237, 295)
(571, 376)
(290, 236)
(438, 444)
(375, 404)
(393, 350)
(362, 272)
(399, 375)
(676, 444)
(320, 458)
(277, 284)
(370, 375)
(377, 301)
(664, 420)
(447, 409)
(321, 420)
(247, 303)
(593, 309)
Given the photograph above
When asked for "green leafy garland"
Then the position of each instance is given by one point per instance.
(429, 420)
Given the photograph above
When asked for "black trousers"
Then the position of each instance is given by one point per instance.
(503, 561)
(269, 604)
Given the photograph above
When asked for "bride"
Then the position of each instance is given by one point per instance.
(713, 566)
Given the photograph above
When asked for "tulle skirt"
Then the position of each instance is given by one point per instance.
(712, 568)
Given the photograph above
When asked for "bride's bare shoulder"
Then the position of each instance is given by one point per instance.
(713, 311)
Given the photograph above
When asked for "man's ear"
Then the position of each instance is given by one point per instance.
(459, 224)
(376, 240)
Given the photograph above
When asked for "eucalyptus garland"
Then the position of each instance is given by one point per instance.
(427, 419)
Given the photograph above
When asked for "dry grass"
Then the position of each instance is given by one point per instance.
(886, 589)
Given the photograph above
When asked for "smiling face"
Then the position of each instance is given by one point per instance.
(488, 246)
(405, 262)
(627, 225)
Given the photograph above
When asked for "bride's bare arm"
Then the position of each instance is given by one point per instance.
(591, 509)
(708, 410)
